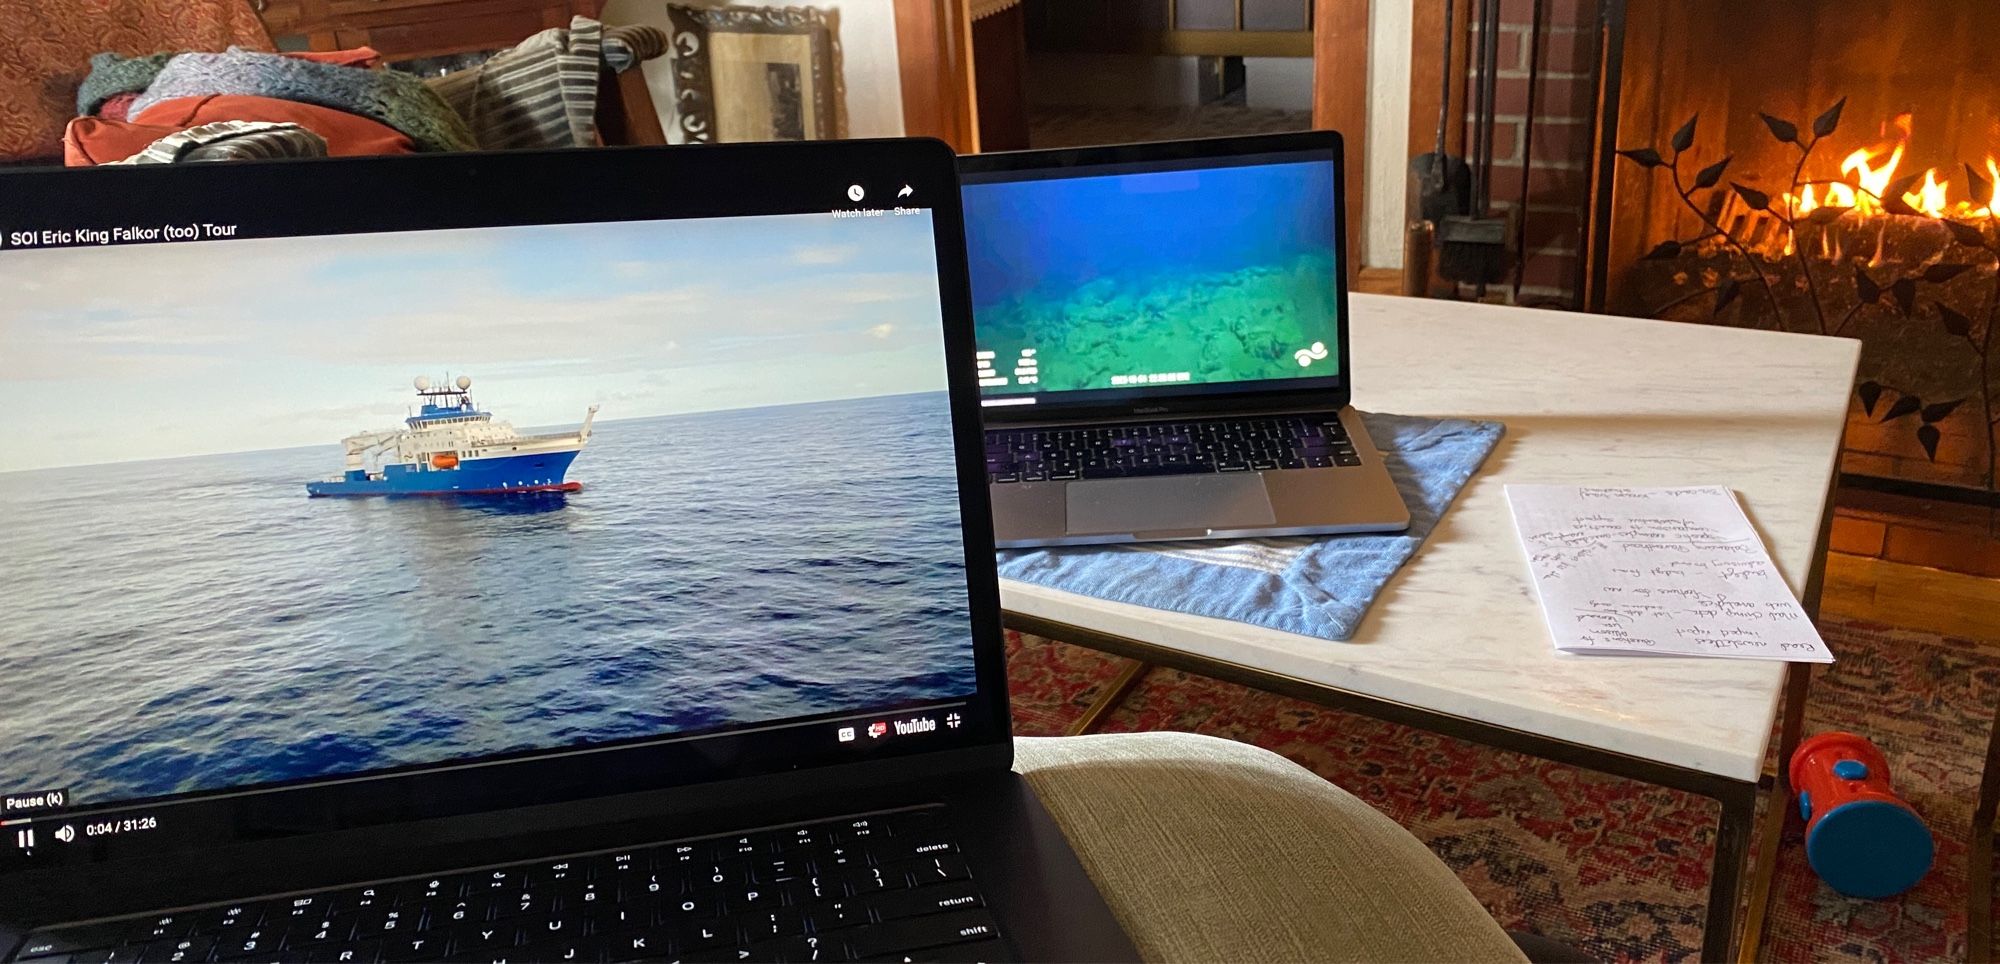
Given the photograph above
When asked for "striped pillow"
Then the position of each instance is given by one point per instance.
(232, 141)
(543, 91)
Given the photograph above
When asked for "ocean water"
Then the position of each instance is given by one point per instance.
(189, 624)
(1222, 274)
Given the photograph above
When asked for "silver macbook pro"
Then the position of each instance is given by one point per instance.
(1162, 343)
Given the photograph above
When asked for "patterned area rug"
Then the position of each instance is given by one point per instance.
(1614, 867)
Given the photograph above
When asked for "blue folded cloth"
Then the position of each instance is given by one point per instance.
(1313, 585)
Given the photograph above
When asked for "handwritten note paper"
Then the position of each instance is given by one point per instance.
(1660, 572)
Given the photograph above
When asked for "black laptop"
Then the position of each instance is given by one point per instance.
(574, 556)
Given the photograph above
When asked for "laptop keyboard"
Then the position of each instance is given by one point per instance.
(1168, 448)
(882, 887)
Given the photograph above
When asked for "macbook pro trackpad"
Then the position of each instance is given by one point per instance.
(1233, 500)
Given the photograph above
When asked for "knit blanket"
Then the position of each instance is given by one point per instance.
(397, 99)
(114, 74)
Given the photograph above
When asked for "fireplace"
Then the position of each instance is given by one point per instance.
(1824, 166)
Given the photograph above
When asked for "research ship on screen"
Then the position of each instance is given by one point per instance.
(450, 447)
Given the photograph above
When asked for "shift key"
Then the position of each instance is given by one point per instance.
(926, 900)
(917, 933)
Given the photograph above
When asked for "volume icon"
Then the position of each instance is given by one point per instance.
(67, 833)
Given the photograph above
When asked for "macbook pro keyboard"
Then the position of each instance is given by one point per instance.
(889, 887)
(1168, 448)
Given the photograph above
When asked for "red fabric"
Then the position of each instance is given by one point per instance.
(117, 106)
(91, 141)
(346, 134)
(46, 45)
(366, 57)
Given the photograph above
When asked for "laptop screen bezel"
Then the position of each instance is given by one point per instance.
(1329, 392)
(438, 192)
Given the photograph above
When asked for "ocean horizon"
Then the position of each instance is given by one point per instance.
(198, 622)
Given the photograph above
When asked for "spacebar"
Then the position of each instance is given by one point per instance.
(1138, 471)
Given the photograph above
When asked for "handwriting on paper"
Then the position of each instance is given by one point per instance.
(1662, 571)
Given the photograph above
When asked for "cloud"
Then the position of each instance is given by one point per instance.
(824, 254)
(882, 330)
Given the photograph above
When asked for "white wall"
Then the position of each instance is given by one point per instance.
(1388, 144)
(1278, 83)
(867, 53)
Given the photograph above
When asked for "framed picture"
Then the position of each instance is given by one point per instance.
(757, 74)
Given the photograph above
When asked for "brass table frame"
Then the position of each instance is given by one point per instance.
(1730, 907)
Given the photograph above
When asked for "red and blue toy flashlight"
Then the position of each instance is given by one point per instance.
(1861, 838)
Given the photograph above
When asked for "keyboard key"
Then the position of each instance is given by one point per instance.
(310, 907)
(934, 870)
(229, 917)
(619, 917)
(416, 947)
(755, 897)
(485, 936)
(919, 933)
(255, 942)
(835, 914)
(366, 952)
(868, 880)
(457, 912)
(925, 900)
(589, 950)
(177, 952)
(164, 927)
(334, 928)
(978, 952)
(391, 922)
(70, 940)
(433, 889)
(525, 902)
(782, 922)
(704, 933)
(651, 943)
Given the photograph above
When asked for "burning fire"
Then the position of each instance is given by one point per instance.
(1870, 172)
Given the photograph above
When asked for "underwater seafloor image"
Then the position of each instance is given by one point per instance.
(1251, 323)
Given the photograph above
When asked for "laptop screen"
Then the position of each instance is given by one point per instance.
(1097, 282)
(289, 509)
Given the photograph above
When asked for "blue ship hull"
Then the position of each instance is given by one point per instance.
(513, 473)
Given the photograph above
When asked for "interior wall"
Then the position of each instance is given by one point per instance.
(1058, 79)
(1388, 132)
(1278, 83)
(867, 53)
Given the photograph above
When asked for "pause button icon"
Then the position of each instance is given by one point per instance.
(24, 838)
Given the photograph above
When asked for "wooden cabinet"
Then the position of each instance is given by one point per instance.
(409, 29)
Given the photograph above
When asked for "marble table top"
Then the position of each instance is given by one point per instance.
(1587, 400)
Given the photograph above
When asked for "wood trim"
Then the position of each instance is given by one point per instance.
(999, 47)
(1340, 100)
(934, 50)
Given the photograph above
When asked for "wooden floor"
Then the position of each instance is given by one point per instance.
(1912, 597)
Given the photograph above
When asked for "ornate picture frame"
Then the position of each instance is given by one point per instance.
(757, 73)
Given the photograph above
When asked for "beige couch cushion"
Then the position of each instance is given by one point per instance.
(1209, 850)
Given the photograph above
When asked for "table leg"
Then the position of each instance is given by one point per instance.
(1979, 856)
(1732, 845)
(1134, 671)
(1778, 816)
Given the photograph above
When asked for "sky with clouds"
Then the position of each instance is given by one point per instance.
(117, 354)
